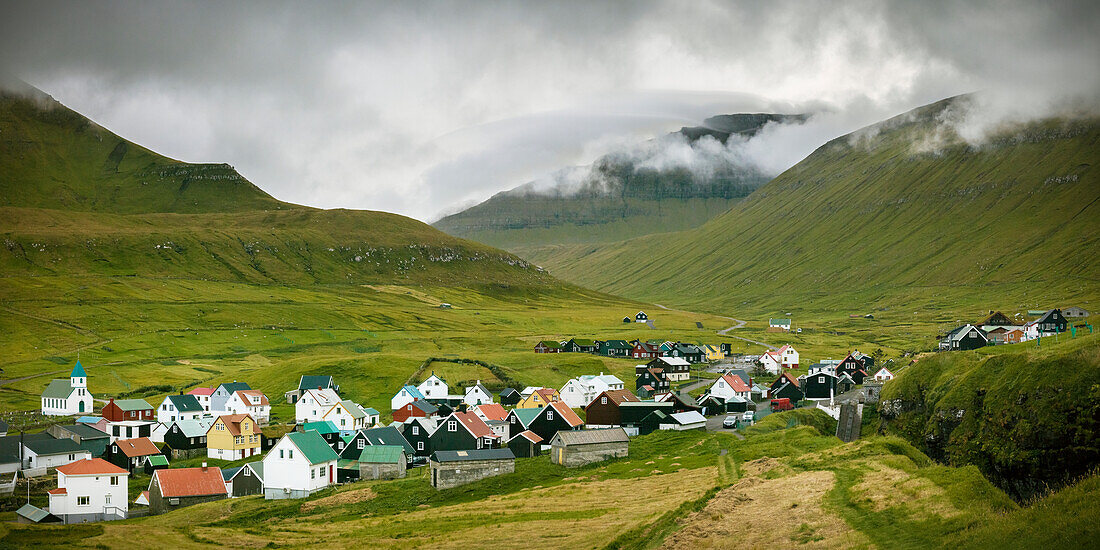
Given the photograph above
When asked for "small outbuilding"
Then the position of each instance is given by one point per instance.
(382, 462)
(35, 515)
(683, 421)
(454, 468)
(580, 447)
(526, 444)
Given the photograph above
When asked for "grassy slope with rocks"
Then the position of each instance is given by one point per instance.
(879, 221)
(620, 199)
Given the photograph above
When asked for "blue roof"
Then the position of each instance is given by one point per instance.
(88, 420)
(371, 410)
(78, 371)
(413, 392)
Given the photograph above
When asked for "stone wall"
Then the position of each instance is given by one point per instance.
(579, 455)
(446, 475)
(381, 471)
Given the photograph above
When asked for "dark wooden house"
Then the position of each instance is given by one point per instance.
(509, 397)
(244, 480)
(1052, 322)
(555, 417)
(526, 444)
(603, 411)
(654, 379)
(819, 386)
(579, 345)
(418, 432)
(463, 431)
(187, 438)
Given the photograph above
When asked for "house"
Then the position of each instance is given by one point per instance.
(644, 350)
(683, 421)
(675, 369)
(779, 325)
(50, 452)
(346, 415)
(641, 317)
(382, 462)
(679, 404)
(525, 444)
(579, 345)
(819, 386)
(770, 361)
(433, 387)
(222, 393)
(251, 402)
(311, 382)
(132, 453)
(244, 480)
(996, 318)
(385, 435)
(185, 438)
(651, 381)
(1075, 313)
(203, 395)
(634, 412)
(713, 353)
(130, 429)
(1000, 335)
(463, 430)
(90, 490)
(454, 468)
(179, 407)
(313, 404)
(729, 385)
(233, 437)
(175, 488)
(539, 398)
(300, 464)
(614, 348)
(97, 422)
(68, 397)
(509, 397)
(418, 432)
(477, 394)
(519, 419)
(579, 392)
(404, 396)
(786, 387)
(548, 346)
(962, 338)
(490, 412)
(688, 352)
(856, 366)
(555, 417)
(845, 383)
(1051, 322)
(577, 448)
(883, 375)
(86, 437)
(122, 410)
(788, 357)
(603, 411)
(414, 409)
(328, 431)
(627, 320)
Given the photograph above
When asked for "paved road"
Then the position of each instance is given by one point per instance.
(725, 331)
(714, 424)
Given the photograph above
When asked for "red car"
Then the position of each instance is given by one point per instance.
(782, 404)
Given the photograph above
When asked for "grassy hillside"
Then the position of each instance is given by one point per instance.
(795, 486)
(1028, 416)
(621, 195)
(878, 221)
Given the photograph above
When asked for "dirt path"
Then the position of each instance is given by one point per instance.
(725, 331)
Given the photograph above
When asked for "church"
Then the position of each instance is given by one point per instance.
(68, 397)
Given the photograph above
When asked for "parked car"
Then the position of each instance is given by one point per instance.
(730, 421)
(781, 404)
(748, 416)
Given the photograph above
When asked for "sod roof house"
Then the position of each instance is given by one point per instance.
(548, 346)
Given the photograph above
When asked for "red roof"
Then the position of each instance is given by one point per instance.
(493, 411)
(616, 397)
(736, 383)
(547, 394)
(245, 396)
(567, 413)
(189, 482)
(90, 466)
(58, 491)
(201, 391)
(476, 425)
(142, 446)
(789, 378)
(530, 436)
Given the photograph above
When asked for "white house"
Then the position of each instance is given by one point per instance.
(404, 396)
(770, 362)
(90, 490)
(203, 395)
(788, 357)
(300, 464)
(780, 324)
(68, 397)
(579, 392)
(179, 407)
(251, 402)
(51, 453)
(347, 416)
(730, 385)
(313, 404)
(434, 387)
(883, 375)
(477, 394)
(221, 396)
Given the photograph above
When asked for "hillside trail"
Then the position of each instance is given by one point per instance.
(725, 331)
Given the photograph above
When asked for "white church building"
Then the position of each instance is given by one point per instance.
(68, 397)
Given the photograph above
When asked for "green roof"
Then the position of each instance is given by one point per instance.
(583, 342)
(158, 460)
(527, 415)
(779, 321)
(313, 446)
(386, 454)
(58, 389)
(551, 343)
(353, 408)
(371, 411)
(132, 404)
(321, 427)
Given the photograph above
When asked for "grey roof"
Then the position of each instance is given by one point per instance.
(53, 446)
(194, 428)
(689, 417)
(9, 445)
(33, 513)
(587, 437)
(185, 403)
(651, 404)
(388, 435)
(257, 468)
(507, 391)
(85, 431)
(473, 454)
(3, 426)
(58, 389)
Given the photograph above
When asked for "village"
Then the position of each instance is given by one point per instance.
(460, 434)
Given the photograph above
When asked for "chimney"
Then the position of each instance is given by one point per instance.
(204, 467)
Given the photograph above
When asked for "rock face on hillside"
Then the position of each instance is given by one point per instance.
(623, 194)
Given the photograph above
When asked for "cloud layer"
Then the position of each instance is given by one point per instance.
(416, 108)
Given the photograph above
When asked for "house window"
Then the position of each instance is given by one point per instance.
(114, 480)
(362, 444)
(416, 430)
(549, 415)
(247, 472)
(452, 426)
(174, 501)
(280, 453)
(83, 501)
(107, 498)
(312, 473)
(820, 379)
(603, 400)
(290, 454)
(420, 445)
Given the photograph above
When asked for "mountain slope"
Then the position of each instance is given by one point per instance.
(898, 214)
(76, 199)
(623, 194)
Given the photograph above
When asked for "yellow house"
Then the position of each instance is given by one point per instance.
(232, 437)
(539, 399)
(714, 353)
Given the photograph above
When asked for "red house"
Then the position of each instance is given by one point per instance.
(123, 410)
(416, 409)
(642, 350)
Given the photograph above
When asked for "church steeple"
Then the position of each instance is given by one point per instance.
(78, 378)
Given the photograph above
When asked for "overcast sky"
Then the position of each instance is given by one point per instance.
(418, 107)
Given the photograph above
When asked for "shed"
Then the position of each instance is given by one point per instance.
(154, 463)
(382, 462)
(33, 514)
(580, 447)
(683, 421)
(455, 468)
(526, 444)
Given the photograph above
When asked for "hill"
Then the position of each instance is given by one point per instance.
(624, 194)
(903, 219)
